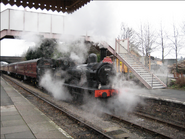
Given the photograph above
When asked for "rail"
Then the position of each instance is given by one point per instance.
(78, 120)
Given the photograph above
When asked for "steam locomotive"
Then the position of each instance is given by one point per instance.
(93, 77)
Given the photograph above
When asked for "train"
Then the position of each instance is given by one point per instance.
(96, 76)
(31, 70)
(93, 77)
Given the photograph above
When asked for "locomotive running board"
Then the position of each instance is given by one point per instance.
(78, 87)
(98, 93)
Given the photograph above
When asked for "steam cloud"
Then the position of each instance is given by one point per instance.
(163, 73)
(76, 48)
(54, 86)
(128, 97)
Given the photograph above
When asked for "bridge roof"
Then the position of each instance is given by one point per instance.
(68, 6)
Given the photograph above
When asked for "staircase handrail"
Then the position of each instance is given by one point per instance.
(136, 59)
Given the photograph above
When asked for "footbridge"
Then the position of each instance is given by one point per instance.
(22, 23)
(11, 59)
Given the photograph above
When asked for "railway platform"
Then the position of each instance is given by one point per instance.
(21, 119)
(171, 95)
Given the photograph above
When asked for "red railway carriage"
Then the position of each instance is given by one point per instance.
(4, 68)
(31, 69)
(11, 68)
(27, 68)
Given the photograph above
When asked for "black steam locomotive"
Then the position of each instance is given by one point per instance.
(94, 77)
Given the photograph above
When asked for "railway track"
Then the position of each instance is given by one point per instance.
(87, 130)
(168, 123)
(139, 124)
(170, 111)
(157, 127)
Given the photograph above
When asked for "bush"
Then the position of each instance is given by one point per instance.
(180, 80)
(46, 49)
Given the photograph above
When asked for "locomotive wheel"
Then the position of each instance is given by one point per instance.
(76, 93)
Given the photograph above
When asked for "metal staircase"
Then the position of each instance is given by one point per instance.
(138, 69)
(148, 78)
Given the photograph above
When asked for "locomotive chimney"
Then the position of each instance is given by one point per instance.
(103, 53)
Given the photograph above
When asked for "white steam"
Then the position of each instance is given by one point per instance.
(163, 73)
(77, 49)
(126, 101)
(31, 37)
(54, 86)
(128, 97)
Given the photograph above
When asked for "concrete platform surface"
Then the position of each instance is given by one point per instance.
(176, 96)
(20, 119)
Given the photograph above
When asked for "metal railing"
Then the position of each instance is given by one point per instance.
(141, 64)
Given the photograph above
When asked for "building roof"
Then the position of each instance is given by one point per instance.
(68, 6)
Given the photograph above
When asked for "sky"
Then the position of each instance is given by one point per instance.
(103, 19)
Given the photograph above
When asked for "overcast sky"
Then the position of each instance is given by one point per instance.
(103, 19)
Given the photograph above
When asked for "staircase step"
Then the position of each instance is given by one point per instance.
(139, 68)
(156, 83)
(157, 87)
(142, 73)
(152, 80)
(135, 65)
(145, 74)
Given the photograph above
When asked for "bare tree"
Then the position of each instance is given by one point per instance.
(128, 33)
(177, 42)
(146, 40)
(162, 42)
(183, 27)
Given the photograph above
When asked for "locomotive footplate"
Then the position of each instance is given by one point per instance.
(97, 93)
(78, 87)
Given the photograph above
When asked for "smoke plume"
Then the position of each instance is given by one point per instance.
(128, 97)
(54, 86)
(76, 49)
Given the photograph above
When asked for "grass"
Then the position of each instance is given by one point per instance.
(177, 87)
